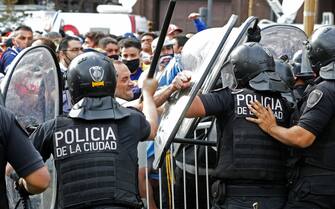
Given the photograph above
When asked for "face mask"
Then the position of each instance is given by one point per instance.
(114, 57)
(165, 59)
(132, 64)
(300, 89)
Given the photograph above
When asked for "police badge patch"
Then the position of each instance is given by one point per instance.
(314, 98)
(97, 74)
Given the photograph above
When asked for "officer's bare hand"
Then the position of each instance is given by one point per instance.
(149, 86)
(264, 116)
(193, 16)
(182, 80)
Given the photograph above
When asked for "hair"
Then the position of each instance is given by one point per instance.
(181, 40)
(24, 28)
(129, 42)
(105, 41)
(95, 36)
(118, 63)
(47, 42)
(64, 43)
(17, 30)
(153, 35)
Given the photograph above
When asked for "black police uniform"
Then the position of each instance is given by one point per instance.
(251, 164)
(16, 149)
(315, 186)
(96, 160)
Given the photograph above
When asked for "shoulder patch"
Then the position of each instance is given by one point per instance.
(314, 97)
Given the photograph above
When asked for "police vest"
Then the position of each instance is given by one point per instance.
(245, 151)
(3, 196)
(93, 166)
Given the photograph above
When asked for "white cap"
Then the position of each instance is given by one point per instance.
(167, 42)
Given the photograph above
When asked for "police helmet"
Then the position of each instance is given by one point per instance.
(301, 70)
(91, 75)
(285, 72)
(321, 47)
(250, 59)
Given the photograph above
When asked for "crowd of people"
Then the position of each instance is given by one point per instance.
(273, 129)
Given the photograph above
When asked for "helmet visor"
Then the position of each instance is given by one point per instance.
(306, 67)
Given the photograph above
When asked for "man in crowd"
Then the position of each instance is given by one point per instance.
(92, 39)
(130, 55)
(146, 41)
(124, 85)
(97, 132)
(314, 182)
(174, 66)
(16, 149)
(165, 57)
(69, 48)
(21, 38)
(110, 47)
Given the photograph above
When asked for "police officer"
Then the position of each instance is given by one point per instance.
(251, 165)
(303, 75)
(95, 147)
(314, 186)
(16, 149)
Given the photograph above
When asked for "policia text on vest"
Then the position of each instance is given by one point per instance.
(79, 140)
(243, 100)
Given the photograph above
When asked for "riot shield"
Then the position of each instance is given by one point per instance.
(205, 69)
(32, 91)
(283, 39)
(223, 69)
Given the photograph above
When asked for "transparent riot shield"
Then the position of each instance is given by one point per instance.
(32, 91)
(205, 61)
(283, 39)
(224, 69)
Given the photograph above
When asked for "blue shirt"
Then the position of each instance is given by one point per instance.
(171, 71)
(7, 58)
(199, 24)
(134, 77)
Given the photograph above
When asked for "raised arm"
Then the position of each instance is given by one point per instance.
(149, 107)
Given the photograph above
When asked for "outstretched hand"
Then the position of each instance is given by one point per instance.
(264, 116)
(193, 16)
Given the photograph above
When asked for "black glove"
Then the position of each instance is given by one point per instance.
(254, 34)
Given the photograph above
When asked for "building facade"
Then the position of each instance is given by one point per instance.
(155, 10)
